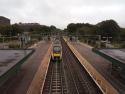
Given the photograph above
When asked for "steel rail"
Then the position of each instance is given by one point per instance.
(81, 83)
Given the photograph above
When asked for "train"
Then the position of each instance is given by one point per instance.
(56, 50)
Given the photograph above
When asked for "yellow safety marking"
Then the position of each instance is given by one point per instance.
(56, 54)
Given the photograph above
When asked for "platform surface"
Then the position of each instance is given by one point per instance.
(8, 58)
(118, 54)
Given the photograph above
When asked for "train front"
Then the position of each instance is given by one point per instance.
(57, 53)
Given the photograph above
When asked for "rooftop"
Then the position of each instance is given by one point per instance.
(118, 54)
(8, 58)
(2, 17)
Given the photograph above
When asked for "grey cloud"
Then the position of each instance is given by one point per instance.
(62, 12)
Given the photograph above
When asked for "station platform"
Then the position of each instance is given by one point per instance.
(102, 65)
(96, 67)
(38, 81)
(20, 83)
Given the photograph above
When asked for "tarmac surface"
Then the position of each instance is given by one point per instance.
(19, 83)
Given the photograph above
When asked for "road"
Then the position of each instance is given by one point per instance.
(19, 83)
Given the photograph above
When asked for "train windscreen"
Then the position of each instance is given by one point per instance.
(56, 49)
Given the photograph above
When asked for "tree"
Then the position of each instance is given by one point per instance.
(6, 30)
(82, 29)
(109, 28)
(16, 29)
(53, 28)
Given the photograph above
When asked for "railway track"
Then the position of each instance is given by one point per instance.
(55, 80)
(79, 80)
(68, 76)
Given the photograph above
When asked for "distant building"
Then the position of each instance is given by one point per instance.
(4, 21)
(29, 26)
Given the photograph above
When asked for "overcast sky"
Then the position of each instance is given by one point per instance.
(62, 12)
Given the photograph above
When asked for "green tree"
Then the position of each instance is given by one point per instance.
(6, 30)
(109, 28)
(16, 29)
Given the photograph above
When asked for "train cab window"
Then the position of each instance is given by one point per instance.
(56, 49)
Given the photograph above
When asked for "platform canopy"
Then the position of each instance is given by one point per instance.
(9, 58)
(116, 56)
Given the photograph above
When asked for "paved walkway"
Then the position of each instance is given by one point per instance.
(20, 83)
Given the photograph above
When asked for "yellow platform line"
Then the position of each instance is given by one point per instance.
(37, 83)
(102, 83)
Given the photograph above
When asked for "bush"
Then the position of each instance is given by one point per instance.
(14, 46)
(123, 45)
